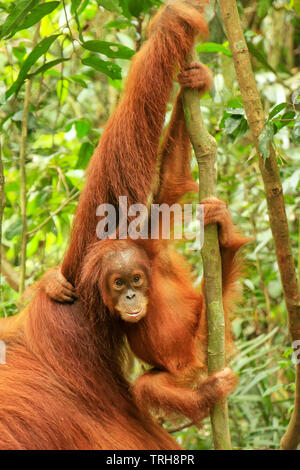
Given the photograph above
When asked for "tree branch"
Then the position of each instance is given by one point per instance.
(8, 271)
(205, 148)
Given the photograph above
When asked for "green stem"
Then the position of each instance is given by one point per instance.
(205, 148)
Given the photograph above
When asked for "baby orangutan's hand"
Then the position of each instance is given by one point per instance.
(57, 287)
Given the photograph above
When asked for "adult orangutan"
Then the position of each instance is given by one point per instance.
(63, 386)
(144, 283)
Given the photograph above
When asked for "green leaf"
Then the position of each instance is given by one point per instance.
(277, 109)
(74, 5)
(33, 245)
(124, 6)
(41, 48)
(259, 56)
(20, 9)
(263, 7)
(110, 49)
(265, 140)
(110, 5)
(118, 24)
(108, 68)
(78, 79)
(19, 52)
(231, 124)
(48, 65)
(74, 9)
(285, 120)
(85, 153)
(37, 14)
(82, 127)
(214, 47)
(136, 7)
(14, 229)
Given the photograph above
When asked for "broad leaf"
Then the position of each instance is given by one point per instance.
(78, 79)
(37, 52)
(19, 52)
(265, 141)
(14, 229)
(231, 124)
(277, 110)
(214, 47)
(285, 120)
(110, 5)
(110, 49)
(118, 24)
(74, 9)
(85, 153)
(16, 16)
(82, 127)
(136, 7)
(108, 68)
(263, 7)
(48, 66)
(37, 14)
(74, 5)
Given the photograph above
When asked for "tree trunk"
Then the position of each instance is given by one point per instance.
(205, 148)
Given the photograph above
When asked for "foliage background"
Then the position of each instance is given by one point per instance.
(77, 70)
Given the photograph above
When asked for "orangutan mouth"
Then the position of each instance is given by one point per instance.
(135, 314)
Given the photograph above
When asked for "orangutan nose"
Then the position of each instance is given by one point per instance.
(130, 295)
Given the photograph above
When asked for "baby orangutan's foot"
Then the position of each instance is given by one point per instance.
(227, 381)
(210, 390)
(217, 212)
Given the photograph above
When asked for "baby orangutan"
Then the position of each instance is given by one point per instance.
(148, 287)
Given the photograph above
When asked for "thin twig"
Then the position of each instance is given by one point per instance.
(180, 428)
(57, 211)
(68, 25)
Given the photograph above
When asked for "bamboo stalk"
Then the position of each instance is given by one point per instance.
(205, 148)
(273, 188)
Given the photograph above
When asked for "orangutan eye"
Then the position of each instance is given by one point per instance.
(137, 278)
(119, 282)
